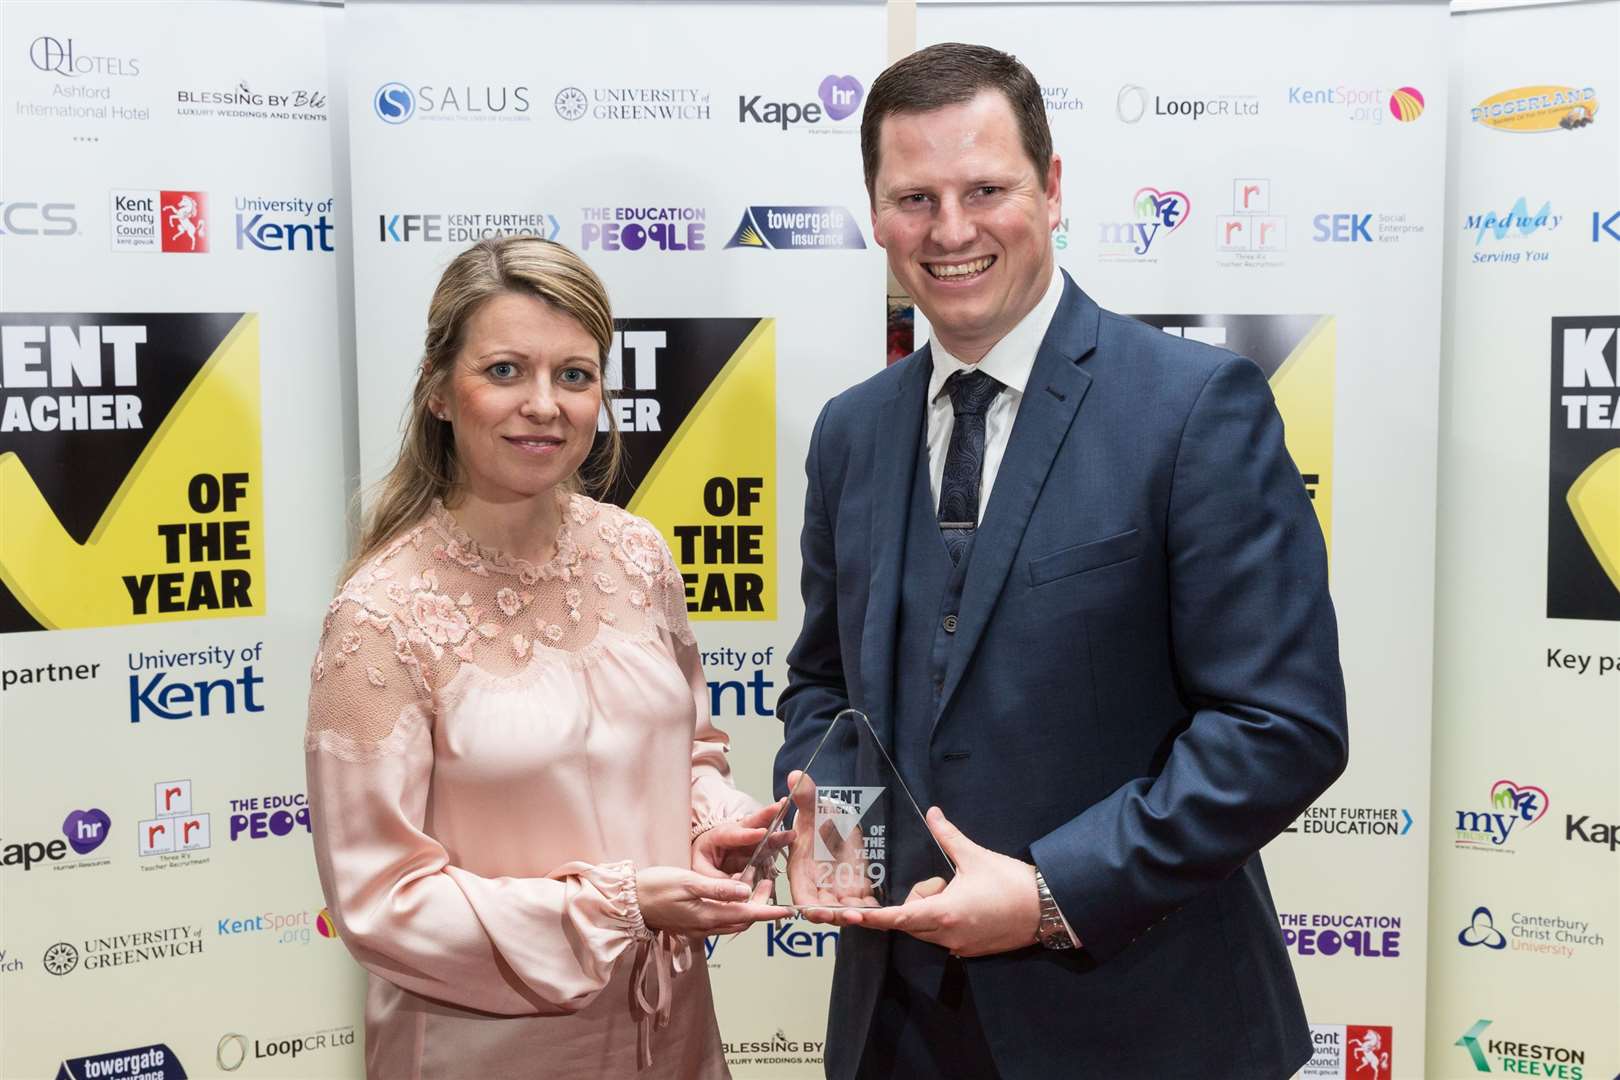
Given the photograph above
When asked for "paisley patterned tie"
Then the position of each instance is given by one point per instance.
(971, 393)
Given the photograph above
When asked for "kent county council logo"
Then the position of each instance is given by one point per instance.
(394, 103)
(1406, 104)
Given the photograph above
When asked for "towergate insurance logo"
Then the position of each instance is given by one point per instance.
(797, 228)
(1514, 806)
(155, 1062)
(1583, 472)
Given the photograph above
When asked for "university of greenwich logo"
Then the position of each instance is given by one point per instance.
(1583, 470)
(797, 228)
(89, 538)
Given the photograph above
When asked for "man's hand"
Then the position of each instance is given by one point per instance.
(822, 889)
(990, 906)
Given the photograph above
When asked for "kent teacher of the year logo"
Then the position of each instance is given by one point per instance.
(130, 471)
(1583, 470)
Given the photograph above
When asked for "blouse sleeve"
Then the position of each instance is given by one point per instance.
(512, 946)
(715, 799)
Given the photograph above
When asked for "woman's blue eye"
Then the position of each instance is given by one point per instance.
(576, 376)
(503, 370)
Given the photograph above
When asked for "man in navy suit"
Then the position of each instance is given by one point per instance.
(1064, 563)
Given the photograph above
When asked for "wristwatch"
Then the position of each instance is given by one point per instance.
(1052, 932)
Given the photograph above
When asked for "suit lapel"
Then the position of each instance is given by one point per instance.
(1052, 397)
(896, 440)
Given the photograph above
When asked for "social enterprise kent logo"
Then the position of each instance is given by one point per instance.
(839, 99)
(158, 690)
(1513, 806)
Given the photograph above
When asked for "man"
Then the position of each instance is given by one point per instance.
(1064, 563)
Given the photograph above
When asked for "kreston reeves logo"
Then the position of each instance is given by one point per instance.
(1513, 805)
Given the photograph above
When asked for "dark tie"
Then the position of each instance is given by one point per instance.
(971, 393)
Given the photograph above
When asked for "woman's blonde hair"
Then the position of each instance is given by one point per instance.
(426, 468)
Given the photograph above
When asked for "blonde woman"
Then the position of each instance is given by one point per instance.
(523, 815)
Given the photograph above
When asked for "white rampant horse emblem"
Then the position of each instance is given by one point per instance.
(186, 219)
(1368, 1053)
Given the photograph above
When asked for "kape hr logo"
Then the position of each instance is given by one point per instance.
(840, 98)
(86, 829)
(797, 228)
(394, 103)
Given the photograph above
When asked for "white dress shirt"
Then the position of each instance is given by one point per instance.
(1009, 362)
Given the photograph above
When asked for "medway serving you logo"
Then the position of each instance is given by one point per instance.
(797, 228)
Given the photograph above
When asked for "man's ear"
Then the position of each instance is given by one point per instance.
(1054, 192)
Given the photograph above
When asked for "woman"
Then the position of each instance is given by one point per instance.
(522, 811)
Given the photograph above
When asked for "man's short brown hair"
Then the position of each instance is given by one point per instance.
(952, 73)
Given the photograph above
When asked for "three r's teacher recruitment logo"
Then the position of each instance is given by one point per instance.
(129, 469)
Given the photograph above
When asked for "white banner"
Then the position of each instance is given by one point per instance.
(1525, 956)
(704, 159)
(1269, 178)
(172, 482)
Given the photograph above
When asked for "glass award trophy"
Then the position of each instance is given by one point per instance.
(850, 834)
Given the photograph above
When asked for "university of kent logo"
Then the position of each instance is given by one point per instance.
(1583, 470)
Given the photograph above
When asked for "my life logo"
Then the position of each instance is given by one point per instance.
(1513, 806)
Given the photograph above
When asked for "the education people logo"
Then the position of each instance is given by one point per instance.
(1155, 214)
(643, 228)
(797, 228)
(90, 538)
(1513, 807)
(393, 103)
(1583, 470)
(1406, 104)
(1537, 109)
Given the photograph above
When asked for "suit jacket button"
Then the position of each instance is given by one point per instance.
(950, 624)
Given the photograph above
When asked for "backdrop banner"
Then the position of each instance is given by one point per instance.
(1525, 957)
(1290, 209)
(715, 185)
(173, 448)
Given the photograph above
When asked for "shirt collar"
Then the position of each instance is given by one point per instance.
(1011, 359)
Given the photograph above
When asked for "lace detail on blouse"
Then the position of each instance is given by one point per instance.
(435, 599)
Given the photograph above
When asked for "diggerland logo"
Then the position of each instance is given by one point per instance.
(1583, 470)
(129, 469)
(1536, 109)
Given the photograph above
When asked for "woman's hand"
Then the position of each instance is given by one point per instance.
(686, 902)
(724, 850)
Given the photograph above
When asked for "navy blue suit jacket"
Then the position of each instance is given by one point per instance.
(1144, 689)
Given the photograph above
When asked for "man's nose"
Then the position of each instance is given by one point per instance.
(953, 226)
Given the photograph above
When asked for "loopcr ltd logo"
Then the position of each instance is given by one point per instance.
(1131, 104)
(394, 103)
(1481, 930)
(231, 1052)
